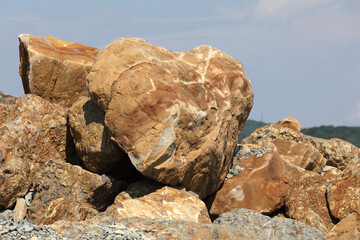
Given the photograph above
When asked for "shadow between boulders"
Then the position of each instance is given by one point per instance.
(334, 220)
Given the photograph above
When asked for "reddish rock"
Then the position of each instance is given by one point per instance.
(92, 138)
(261, 186)
(338, 153)
(67, 209)
(305, 200)
(177, 115)
(346, 229)
(165, 203)
(344, 193)
(291, 123)
(300, 154)
(55, 69)
(6, 104)
(34, 132)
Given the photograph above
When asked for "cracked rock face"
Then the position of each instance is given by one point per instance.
(176, 115)
(54, 69)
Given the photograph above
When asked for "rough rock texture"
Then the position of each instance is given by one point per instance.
(338, 153)
(55, 69)
(344, 193)
(248, 150)
(346, 229)
(34, 132)
(143, 187)
(300, 154)
(261, 186)
(236, 224)
(291, 123)
(6, 103)
(58, 179)
(177, 115)
(67, 209)
(166, 203)
(332, 173)
(92, 138)
(305, 200)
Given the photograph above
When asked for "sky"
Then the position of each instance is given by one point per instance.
(302, 57)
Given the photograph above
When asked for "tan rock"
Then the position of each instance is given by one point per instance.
(34, 132)
(20, 210)
(165, 203)
(261, 186)
(55, 69)
(67, 209)
(177, 115)
(332, 173)
(300, 154)
(291, 123)
(6, 103)
(346, 229)
(338, 153)
(344, 193)
(305, 200)
(92, 138)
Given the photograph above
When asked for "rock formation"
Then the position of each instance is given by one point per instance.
(54, 69)
(176, 115)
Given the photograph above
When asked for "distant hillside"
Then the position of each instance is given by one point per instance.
(350, 134)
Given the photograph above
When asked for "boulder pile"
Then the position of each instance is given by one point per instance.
(137, 142)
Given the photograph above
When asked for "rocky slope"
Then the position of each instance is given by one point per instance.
(138, 142)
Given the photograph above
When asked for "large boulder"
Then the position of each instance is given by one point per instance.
(34, 132)
(55, 69)
(337, 152)
(166, 203)
(305, 200)
(6, 103)
(261, 186)
(176, 115)
(346, 229)
(92, 138)
(343, 194)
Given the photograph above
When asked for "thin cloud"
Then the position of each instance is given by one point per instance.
(283, 9)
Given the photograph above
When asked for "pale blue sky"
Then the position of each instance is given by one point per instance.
(302, 57)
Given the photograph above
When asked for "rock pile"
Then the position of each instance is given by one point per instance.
(127, 143)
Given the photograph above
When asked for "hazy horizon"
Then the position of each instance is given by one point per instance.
(302, 57)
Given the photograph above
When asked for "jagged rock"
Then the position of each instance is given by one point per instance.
(58, 179)
(92, 138)
(346, 229)
(261, 186)
(305, 199)
(289, 122)
(20, 210)
(6, 104)
(331, 173)
(67, 209)
(55, 69)
(300, 154)
(343, 194)
(143, 187)
(248, 150)
(177, 115)
(34, 132)
(236, 224)
(166, 203)
(338, 153)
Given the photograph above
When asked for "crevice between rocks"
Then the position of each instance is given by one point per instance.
(334, 220)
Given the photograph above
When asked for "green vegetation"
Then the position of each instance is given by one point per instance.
(350, 134)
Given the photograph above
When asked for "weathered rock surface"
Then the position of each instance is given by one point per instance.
(34, 132)
(6, 103)
(343, 194)
(305, 200)
(166, 203)
(289, 122)
(92, 138)
(261, 186)
(338, 153)
(348, 228)
(67, 209)
(58, 179)
(248, 150)
(55, 69)
(300, 154)
(332, 173)
(177, 115)
(236, 224)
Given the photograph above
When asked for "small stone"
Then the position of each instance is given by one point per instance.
(20, 210)
(5, 215)
(34, 238)
(29, 197)
(119, 232)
